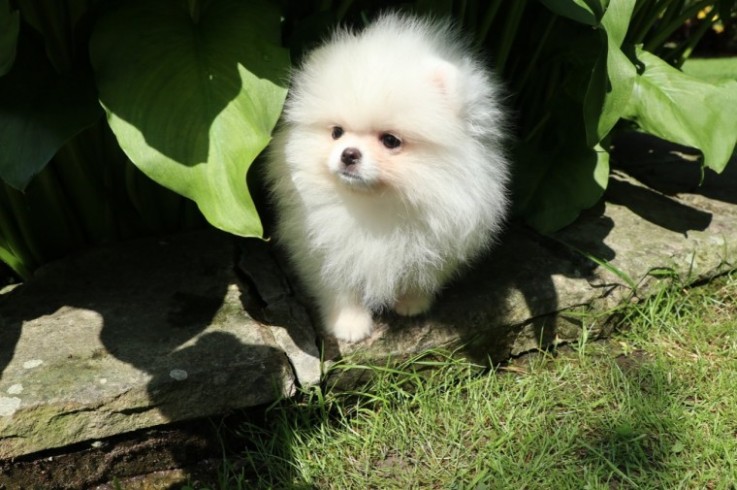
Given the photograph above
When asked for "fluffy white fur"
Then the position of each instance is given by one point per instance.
(382, 225)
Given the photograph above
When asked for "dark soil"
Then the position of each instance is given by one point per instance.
(163, 458)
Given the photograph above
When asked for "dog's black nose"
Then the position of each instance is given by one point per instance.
(350, 156)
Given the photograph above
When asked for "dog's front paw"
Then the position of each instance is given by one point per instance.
(351, 323)
(413, 304)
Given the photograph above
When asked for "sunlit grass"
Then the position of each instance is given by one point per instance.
(653, 407)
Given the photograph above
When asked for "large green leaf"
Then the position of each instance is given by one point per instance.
(557, 175)
(609, 74)
(570, 181)
(40, 110)
(192, 95)
(677, 107)
(613, 77)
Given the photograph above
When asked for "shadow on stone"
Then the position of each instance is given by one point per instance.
(507, 294)
(503, 304)
(506, 303)
(269, 297)
(672, 169)
(657, 208)
(10, 331)
(123, 338)
(137, 335)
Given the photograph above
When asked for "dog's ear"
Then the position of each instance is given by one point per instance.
(444, 76)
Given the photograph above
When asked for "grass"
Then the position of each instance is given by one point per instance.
(655, 407)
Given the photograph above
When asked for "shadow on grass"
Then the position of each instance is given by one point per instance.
(635, 442)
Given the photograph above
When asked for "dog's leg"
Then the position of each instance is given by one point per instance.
(347, 318)
(413, 303)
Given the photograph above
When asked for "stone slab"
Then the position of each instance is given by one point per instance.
(527, 293)
(139, 334)
(128, 337)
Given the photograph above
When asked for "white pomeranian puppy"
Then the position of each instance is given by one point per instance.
(387, 169)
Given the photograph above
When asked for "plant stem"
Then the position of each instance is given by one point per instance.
(488, 19)
(684, 51)
(19, 210)
(16, 264)
(52, 199)
(510, 33)
(194, 8)
(662, 34)
(644, 20)
(532, 63)
(83, 190)
(13, 251)
(673, 9)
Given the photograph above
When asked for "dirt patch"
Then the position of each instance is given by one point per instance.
(164, 458)
(632, 361)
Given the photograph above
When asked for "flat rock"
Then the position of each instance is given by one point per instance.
(140, 334)
(131, 336)
(528, 292)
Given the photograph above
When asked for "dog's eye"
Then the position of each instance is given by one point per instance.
(337, 132)
(390, 141)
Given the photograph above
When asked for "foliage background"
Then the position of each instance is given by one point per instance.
(130, 117)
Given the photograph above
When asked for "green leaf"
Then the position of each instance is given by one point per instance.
(39, 111)
(682, 109)
(571, 180)
(583, 11)
(192, 96)
(9, 25)
(616, 20)
(613, 77)
(556, 174)
(711, 69)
